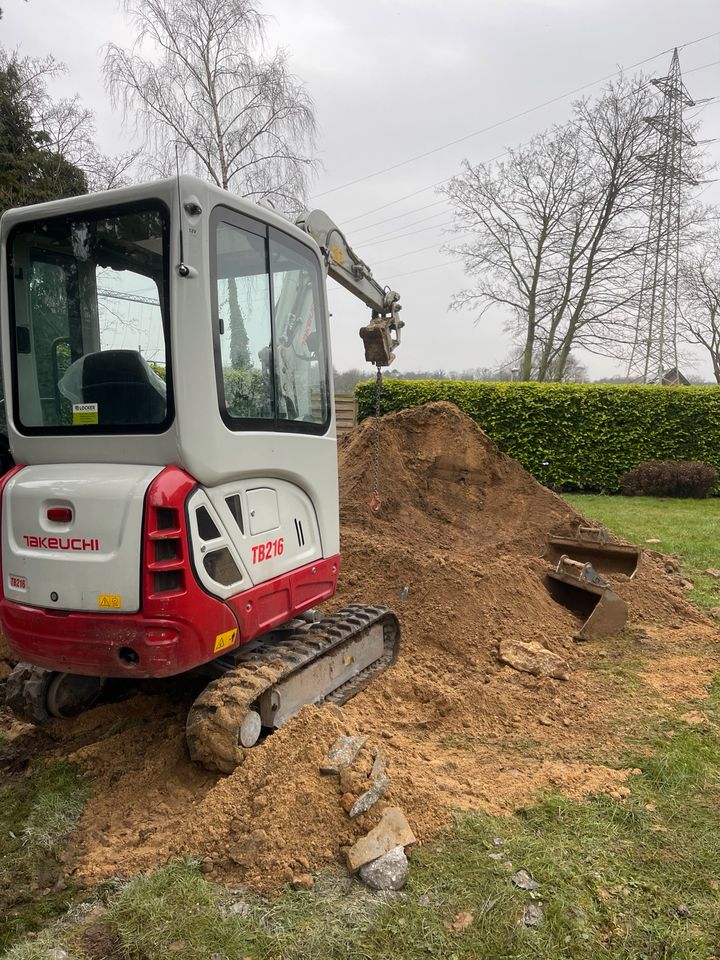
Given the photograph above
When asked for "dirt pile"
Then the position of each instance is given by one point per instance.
(456, 551)
(5, 658)
(464, 528)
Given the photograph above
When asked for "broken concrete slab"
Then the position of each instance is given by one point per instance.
(370, 797)
(392, 831)
(342, 754)
(389, 872)
(533, 658)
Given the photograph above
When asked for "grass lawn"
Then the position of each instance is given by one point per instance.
(688, 528)
(37, 813)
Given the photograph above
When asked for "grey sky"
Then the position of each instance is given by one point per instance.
(398, 78)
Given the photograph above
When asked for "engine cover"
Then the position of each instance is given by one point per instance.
(72, 536)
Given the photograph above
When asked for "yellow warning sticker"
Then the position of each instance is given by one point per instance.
(337, 254)
(225, 640)
(109, 601)
(85, 413)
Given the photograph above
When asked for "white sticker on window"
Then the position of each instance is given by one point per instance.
(85, 413)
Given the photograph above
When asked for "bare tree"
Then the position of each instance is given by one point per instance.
(198, 76)
(700, 294)
(558, 230)
(65, 127)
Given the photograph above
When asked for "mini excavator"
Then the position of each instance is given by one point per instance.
(173, 503)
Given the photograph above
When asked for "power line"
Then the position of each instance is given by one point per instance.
(703, 67)
(439, 183)
(391, 203)
(431, 246)
(435, 266)
(397, 216)
(408, 196)
(412, 233)
(515, 116)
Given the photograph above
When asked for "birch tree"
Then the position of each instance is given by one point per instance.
(199, 77)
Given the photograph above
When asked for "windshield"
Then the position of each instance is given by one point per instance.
(89, 321)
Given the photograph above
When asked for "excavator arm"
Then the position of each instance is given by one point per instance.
(382, 335)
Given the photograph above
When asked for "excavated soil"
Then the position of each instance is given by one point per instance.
(5, 658)
(456, 550)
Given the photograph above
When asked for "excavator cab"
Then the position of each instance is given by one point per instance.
(167, 374)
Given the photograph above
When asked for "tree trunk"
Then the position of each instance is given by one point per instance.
(239, 344)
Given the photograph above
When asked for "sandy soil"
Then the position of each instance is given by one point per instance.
(460, 536)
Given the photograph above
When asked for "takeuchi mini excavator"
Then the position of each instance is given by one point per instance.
(174, 500)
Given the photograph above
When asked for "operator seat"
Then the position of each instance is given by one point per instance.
(119, 382)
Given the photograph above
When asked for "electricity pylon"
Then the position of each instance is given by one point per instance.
(655, 343)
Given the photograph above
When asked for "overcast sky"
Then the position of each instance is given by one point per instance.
(392, 79)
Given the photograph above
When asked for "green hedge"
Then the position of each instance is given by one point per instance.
(574, 436)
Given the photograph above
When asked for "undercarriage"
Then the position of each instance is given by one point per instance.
(256, 690)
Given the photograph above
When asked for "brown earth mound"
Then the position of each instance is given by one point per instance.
(456, 551)
(5, 658)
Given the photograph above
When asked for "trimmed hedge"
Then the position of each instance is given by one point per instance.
(670, 478)
(574, 436)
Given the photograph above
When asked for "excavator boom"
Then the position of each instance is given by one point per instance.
(382, 335)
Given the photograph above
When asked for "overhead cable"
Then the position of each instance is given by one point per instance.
(515, 116)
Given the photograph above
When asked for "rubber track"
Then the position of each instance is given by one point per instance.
(214, 719)
(26, 692)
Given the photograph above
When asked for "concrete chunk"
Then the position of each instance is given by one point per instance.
(379, 765)
(381, 781)
(392, 831)
(342, 753)
(533, 658)
(389, 872)
(370, 797)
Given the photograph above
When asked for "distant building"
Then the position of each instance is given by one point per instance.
(674, 378)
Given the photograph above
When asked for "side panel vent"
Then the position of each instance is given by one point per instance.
(165, 562)
(299, 532)
(235, 508)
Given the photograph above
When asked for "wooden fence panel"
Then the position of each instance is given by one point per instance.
(345, 412)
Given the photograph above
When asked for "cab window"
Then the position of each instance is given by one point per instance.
(89, 322)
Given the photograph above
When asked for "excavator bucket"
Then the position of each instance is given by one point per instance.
(381, 337)
(593, 545)
(589, 596)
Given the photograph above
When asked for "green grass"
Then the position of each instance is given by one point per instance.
(630, 880)
(37, 813)
(689, 529)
